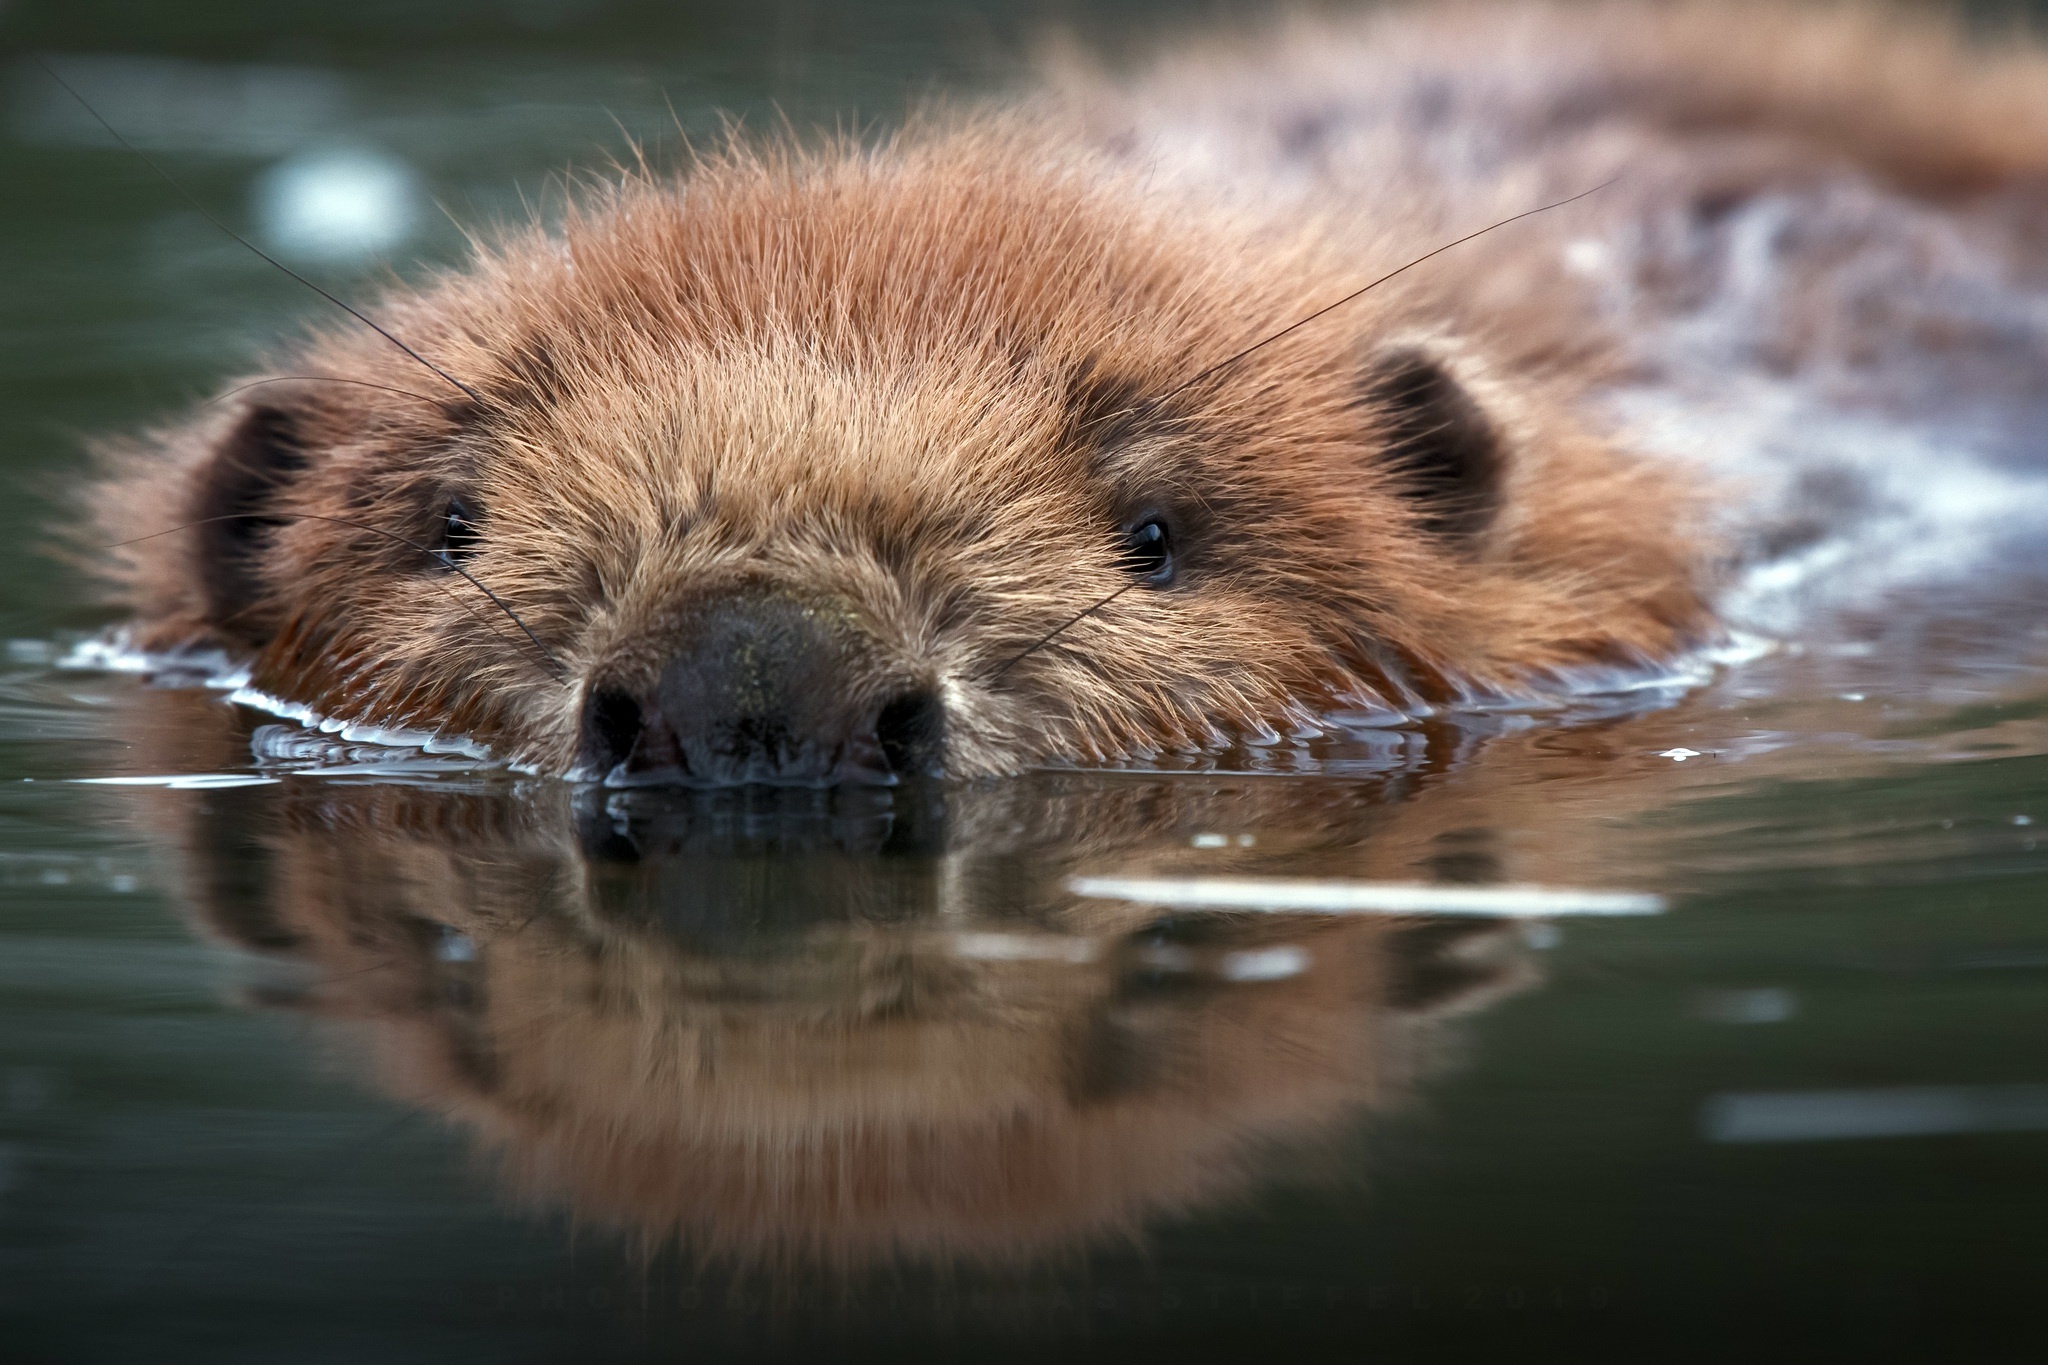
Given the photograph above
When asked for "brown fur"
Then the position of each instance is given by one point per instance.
(914, 390)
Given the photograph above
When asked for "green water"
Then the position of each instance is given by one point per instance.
(364, 1063)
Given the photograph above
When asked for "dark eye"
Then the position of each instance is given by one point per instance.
(462, 533)
(1148, 552)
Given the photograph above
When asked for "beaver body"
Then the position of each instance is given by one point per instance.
(996, 445)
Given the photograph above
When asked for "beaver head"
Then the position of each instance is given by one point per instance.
(825, 466)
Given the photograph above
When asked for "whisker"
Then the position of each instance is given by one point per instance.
(1293, 327)
(260, 253)
(555, 666)
(1055, 632)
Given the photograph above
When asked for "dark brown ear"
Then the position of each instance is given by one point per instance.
(1447, 451)
(233, 504)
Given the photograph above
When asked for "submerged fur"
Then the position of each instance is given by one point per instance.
(908, 400)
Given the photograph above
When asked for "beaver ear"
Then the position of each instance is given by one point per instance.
(233, 505)
(1448, 453)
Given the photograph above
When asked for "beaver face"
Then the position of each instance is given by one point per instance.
(824, 468)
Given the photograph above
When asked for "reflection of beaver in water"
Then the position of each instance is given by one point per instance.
(708, 1020)
(818, 466)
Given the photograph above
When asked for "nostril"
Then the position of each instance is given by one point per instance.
(611, 727)
(910, 728)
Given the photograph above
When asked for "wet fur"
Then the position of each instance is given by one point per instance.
(916, 389)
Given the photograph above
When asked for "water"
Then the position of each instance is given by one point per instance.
(349, 1053)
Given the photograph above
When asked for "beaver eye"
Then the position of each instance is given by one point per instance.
(462, 532)
(1148, 552)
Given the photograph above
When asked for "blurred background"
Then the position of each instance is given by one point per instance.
(355, 139)
(359, 138)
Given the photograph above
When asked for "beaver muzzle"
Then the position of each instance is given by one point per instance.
(763, 688)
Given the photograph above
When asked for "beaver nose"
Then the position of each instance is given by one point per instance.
(765, 689)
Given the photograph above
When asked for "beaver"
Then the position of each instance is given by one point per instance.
(1026, 435)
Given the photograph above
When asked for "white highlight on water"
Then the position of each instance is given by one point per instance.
(1904, 1111)
(987, 947)
(390, 737)
(1369, 898)
(181, 781)
(1266, 964)
(115, 652)
(337, 204)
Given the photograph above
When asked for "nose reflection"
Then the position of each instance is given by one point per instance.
(764, 688)
(840, 1027)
